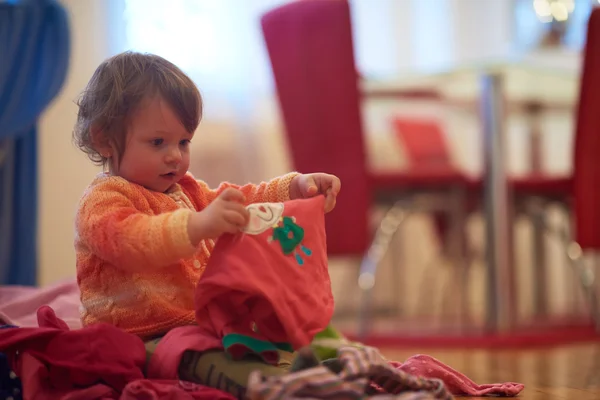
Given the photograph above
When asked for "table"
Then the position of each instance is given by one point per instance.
(492, 89)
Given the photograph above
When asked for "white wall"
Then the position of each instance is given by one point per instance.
(64, 171)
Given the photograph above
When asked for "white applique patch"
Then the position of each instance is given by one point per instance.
(262, 217)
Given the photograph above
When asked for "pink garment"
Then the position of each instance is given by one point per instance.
(270, 282)
(165, 361)
(19, 304)
(457, 383)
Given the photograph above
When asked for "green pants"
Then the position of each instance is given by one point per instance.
(216, 370)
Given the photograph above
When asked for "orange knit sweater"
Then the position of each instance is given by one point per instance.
(136, 266)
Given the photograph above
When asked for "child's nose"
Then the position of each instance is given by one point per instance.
(173, 156)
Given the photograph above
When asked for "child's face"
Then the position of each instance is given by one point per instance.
(157, 149)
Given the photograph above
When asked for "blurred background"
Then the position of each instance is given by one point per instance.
(463, 132)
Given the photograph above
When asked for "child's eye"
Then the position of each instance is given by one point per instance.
(157, 142)
(185, 142)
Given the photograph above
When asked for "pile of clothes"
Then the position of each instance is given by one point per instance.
(102, 362)
(263, 289)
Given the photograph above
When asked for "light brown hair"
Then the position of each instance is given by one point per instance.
(118, 87)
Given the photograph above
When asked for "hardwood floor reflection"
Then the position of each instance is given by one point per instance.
(571, 372)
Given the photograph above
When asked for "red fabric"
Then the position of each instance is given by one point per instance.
(118, 357)
(96, 362)
(249, 280)
(457, 383)
(171, 390)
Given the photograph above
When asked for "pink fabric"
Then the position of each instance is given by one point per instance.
(457, 383)
(19, 304)
(167, 355)
(251, 287)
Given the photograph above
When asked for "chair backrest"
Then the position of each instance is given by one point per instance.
(424, 143)
(310, 47)
(587, 143)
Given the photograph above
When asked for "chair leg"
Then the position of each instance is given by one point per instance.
(457, 253)
(388, 226)
(587, 278)
(540, 291)
(586, 273)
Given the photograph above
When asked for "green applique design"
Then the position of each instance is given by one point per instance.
(254, 345)
(290, 236)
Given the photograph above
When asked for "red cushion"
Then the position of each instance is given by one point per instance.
(424, 142)
(420, 178)
(561, 186)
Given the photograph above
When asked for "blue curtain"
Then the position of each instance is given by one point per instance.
(34, 56)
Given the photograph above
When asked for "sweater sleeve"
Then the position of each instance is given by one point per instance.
(111, 227)
(274, 191)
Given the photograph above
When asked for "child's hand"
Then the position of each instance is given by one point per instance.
(226, 214)
(310, 185)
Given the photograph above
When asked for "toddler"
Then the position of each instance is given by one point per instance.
(145, 227)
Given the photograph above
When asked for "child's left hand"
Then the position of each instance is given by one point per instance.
(310, 185)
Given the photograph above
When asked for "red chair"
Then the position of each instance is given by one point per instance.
(427, 149)
(424, 142)
(580, 192)
(310, 47)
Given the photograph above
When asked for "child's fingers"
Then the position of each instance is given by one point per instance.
(231, 194)
(308, 186)
(336, 185)
(234, 220)
(240, 209)
(330, 202)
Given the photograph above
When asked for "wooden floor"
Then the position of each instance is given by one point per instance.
(571, 372)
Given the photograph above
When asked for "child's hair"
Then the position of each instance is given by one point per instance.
(116, 90)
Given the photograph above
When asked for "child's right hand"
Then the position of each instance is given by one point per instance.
(226, 214)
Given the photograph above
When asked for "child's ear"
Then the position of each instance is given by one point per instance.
(101, 142)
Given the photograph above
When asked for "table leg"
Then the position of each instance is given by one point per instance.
(540, 287)
(497, 209)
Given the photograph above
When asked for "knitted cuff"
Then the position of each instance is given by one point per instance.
(177, 241)
(283, 186)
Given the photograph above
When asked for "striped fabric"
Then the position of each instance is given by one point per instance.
(365, 374)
